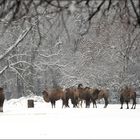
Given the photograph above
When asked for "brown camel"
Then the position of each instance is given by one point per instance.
(104, 93)
(54, 95)
(127, 94)
(72, 94)
(99, 94)
(84, 95)
(94, 95)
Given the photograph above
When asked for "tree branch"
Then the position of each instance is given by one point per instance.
(2, 71)
(97, 10)
(21, 37)
(135, 11)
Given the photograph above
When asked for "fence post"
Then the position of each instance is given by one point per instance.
(30, 103)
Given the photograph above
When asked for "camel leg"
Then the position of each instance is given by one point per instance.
(73, 101)
(122, 101)
(127, 105)
(121, 106)
(63, 103)
(81, 103)
(76, 102)
(1, 109)
(87, 103)
(67, 103)
(94, 103)
(134, 104)
(52, 103)
(106, 102)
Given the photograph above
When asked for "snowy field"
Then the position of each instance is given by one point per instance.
(42, 122)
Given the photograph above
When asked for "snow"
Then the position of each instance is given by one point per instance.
(42, 122)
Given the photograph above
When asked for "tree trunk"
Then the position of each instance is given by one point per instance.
(2, 98)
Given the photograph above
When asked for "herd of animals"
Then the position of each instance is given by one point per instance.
(81, 94)
(78, 95)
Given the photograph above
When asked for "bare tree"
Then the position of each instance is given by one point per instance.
(16, 10)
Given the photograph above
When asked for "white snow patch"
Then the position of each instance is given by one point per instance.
(42, 122)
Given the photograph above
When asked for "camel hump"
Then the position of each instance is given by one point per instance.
(80, 86)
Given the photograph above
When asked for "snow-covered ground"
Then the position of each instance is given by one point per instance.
(19, 122)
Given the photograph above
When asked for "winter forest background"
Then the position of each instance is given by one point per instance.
(50, 43)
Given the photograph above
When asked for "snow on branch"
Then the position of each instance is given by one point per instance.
(20, 38)
(18, 55)
(3, 70)
(19, 75)
(23, 62)
(51, 55)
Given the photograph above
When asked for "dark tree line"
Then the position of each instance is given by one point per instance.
(15, 10)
